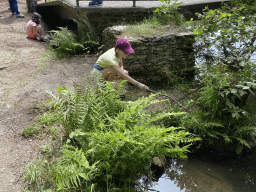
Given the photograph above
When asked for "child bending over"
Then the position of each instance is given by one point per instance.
(110, 64)
(34, 29)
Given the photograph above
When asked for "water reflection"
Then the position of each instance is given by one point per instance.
(201, 174)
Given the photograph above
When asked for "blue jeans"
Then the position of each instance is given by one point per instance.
(14, 6)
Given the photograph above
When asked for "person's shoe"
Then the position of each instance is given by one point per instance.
(44, 40)
(20, 16)
(93, 3)
(14, 13)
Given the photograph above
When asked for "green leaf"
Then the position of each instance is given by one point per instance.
(229, 104)
(157, 10)
(176, 5)
(233, 91)
(236, 115)
(83, 175)
(244, 142)
(123, 165)
(76, 133)
(239, 149)
(241, 93)
(227, 139)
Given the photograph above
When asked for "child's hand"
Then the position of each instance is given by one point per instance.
(142, 86)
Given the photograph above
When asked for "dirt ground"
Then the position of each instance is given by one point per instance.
(22, 83)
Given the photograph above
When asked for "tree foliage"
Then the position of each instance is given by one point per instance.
(225, 45)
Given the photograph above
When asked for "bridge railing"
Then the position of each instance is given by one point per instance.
(134, 1)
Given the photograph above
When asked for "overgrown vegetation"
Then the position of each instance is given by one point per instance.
(169, 15)
(163, 19)
(46, 123)
(110, 142)
(225, 44)
(64, 43)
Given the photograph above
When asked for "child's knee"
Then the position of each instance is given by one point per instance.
(39, 29)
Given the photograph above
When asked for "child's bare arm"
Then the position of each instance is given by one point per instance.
(120, 71)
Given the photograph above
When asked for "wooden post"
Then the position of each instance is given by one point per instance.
(77, 3)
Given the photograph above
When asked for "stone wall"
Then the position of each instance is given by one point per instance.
(165, 58)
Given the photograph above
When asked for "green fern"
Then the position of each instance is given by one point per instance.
(64, 42)
(121, 136)
(73, 169)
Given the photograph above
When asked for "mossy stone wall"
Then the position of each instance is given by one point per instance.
(165, 58)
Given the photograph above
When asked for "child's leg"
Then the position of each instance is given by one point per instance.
(39, 30)
(118, 76)
(109, 73)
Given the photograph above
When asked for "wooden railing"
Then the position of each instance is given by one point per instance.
(134, 1)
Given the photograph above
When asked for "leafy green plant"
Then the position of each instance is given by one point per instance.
(73, 169)
(64, 42)
(169, 14)
(47, 118)
(39, 175)
(87, 36)
(64, 173)
(31, 131)
(225, 45)
(120, 137)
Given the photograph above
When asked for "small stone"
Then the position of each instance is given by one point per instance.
(11, 181)
(2, 67)
(30, 140)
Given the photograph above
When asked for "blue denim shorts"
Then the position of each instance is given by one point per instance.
(97, 67)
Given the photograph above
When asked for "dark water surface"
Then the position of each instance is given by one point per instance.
(202, 174)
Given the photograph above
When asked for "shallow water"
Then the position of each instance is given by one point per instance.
(201, 174)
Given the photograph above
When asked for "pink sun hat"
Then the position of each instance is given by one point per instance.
(125, 46)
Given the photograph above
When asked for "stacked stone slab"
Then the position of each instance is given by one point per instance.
(165, 58)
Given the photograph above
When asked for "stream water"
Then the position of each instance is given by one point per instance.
(199, 173)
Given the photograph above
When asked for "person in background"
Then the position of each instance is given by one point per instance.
(14, 8)
(34, 29)
(110, 63)
(94, 2)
